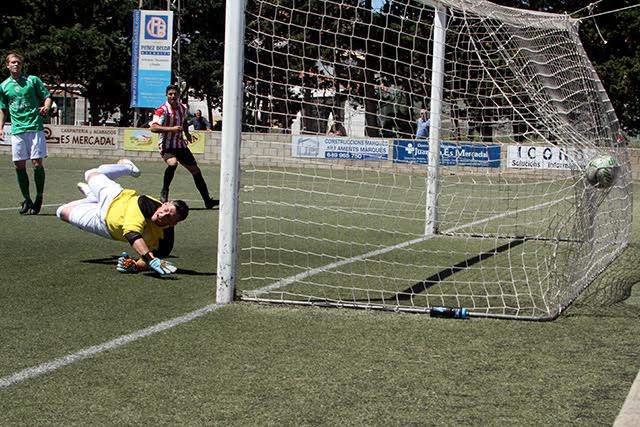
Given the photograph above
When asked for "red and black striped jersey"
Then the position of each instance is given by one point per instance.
(166, 115)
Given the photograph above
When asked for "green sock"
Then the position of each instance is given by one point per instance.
(38, 176)
(23, 183)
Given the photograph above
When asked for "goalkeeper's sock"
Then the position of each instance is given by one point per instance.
(23, 183)
(133, 169)
(39, 178)
(122, 168)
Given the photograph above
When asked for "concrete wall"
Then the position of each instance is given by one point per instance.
(269, 149)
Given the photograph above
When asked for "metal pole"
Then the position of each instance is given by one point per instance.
(179, 37)
(437, 79)
(230, 150)
(136, 110)
(64, 103)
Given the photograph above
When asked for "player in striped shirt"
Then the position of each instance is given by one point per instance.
(170, 122)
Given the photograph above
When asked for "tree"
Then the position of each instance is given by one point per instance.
(202, 50)
(88, 44)
(616, 62)
(608, 40)
(86, 47)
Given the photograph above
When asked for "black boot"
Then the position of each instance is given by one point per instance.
(26, 206)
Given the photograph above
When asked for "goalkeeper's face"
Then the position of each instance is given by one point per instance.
(166, 215)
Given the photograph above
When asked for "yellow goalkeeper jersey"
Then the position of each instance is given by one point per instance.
(125, 216)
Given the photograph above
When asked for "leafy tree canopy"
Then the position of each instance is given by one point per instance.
(611, 41)
(89, 44)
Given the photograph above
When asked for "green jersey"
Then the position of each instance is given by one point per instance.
(23, 97)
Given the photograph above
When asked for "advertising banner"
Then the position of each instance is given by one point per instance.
(547, 157)
(324, 147)
(100, 137)
(145, 140)
(451, 153)
(7, 135)
(151, 45)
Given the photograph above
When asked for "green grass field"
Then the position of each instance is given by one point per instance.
(507, 245)
(249, 364)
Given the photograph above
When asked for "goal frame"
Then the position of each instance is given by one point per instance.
(230, 160)
(232, 139)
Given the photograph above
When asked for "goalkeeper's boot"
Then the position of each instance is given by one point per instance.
(37, 205)
(210, 203)
(135, 172)
(26, 207)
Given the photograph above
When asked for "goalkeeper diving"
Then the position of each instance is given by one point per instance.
(113, 212)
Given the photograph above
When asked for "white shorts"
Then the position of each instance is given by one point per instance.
(28, 145)
(89, 214)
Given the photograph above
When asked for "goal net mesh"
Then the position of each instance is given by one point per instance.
(333, 201)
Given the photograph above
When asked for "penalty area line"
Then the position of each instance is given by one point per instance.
(18, 207)
(89, 352)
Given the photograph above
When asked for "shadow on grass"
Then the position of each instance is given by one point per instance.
(610, 294)
(111, 260)
(443, 274)
(39, 214)
(425, 284)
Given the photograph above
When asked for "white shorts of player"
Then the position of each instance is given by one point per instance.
(89, 214)
(28, 145)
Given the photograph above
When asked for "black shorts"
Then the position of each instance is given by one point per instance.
(184, 155)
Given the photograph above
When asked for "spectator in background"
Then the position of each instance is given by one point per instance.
(170, 122)
(423, 125)
(337, 129)
(276, 127)
(199, 122)
(28, 101)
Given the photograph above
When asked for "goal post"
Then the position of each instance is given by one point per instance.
(437, 90)
(230, 152)
(340, 200)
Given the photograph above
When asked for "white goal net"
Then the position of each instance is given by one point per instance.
(352, 197)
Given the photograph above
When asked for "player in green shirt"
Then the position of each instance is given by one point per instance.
(27, 100)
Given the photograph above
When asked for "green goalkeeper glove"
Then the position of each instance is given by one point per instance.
(162, 267)
(126, 264)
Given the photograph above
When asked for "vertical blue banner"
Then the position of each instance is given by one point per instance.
(151, 48)
(135, 55)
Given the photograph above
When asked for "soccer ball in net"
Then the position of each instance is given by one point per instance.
(602, 171)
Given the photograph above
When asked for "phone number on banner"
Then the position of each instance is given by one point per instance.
(353, 156)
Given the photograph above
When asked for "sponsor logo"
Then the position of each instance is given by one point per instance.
(49, 136)
(308, 147)
(156, 27)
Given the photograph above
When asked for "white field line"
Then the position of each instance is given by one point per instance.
(303, 275)
(89, 352)
(86, 353)
(629, 415)
(18, 207)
